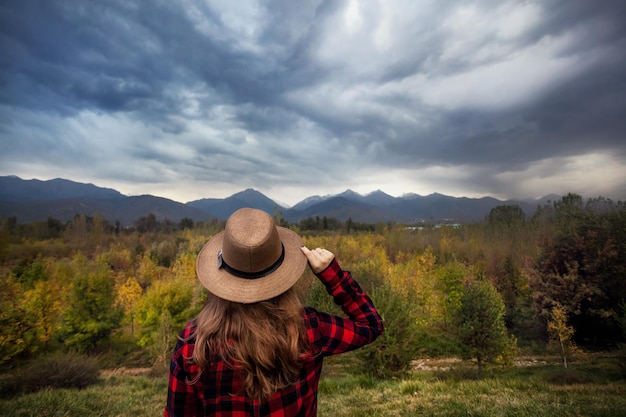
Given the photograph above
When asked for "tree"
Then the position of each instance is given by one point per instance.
(514, 288)
(147, 224)
(561, 334)
(451, 279)
(172, 295)
(29, 273)
(127, 296)
(16, 332)
(147, 271)
(349, 224)
(480, 324)
(185, 223)
(581, 266)
(164, 252)
(91, 314)
(392, 353)
(506, 215)
(43, 306)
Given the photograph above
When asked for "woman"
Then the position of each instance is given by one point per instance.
(254, 350)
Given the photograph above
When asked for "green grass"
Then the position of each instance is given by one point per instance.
(494, 396)
(112, 396)
(591, 388)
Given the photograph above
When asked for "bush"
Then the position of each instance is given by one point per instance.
(60, 370)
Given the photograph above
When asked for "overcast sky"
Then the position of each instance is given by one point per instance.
(188, 99)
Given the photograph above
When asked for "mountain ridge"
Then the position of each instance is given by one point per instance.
(31, 200)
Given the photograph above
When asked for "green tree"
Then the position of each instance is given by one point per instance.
(174, 296)
(165, 339)
(506, 215)
(480, 324)
(29, 273)
(392, 353)
(164, 252)
(147, 224)
(513, 286)
(185, 223)
(91, 314)
(450, 282)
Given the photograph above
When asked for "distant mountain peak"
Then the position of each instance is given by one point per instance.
(378, 192)
(308, 202)
(247, 191)
(13, 188)
(349, 193)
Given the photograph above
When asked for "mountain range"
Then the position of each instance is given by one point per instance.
(31, 200)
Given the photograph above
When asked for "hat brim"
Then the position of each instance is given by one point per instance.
(241, 290)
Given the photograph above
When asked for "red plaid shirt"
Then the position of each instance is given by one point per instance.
(214, 394)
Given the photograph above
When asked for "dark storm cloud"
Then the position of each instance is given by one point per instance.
(246, 91)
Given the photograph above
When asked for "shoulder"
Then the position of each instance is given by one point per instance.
(189, 330)
(186, 339)
(317, 321)
(311, 317)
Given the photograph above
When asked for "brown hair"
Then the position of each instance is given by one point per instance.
(263, 341)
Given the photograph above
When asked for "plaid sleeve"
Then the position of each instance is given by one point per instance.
(181, 398)
(363, 324)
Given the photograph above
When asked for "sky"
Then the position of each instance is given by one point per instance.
(191, 99)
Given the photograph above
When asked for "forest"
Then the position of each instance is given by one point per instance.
(550, 282)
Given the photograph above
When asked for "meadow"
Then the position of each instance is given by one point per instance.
(594, 385)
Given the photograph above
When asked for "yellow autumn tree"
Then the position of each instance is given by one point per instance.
(15, 330)
(561, 334)
(185, 270)
(43, 306)
(185, 266)
(119, 258)
(127, 296)
(162, 312)
(148, 270)
(415, 279)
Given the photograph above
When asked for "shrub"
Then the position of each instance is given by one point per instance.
(59, 370)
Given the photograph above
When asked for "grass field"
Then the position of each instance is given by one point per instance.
(593, 387)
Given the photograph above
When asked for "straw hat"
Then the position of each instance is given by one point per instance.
(251, 260)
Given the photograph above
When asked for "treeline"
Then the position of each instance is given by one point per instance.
(483, 290)
(81, 223)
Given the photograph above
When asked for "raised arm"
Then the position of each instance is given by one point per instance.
(339, 334)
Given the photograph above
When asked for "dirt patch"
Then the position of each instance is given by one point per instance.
(440, 364)
(126, 371)
(530, 361)
(445, 364)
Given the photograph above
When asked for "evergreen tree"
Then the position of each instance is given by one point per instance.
(480, 324)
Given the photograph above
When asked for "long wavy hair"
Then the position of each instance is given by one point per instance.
(263, 341)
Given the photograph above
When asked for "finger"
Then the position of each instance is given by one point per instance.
(311, 256)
